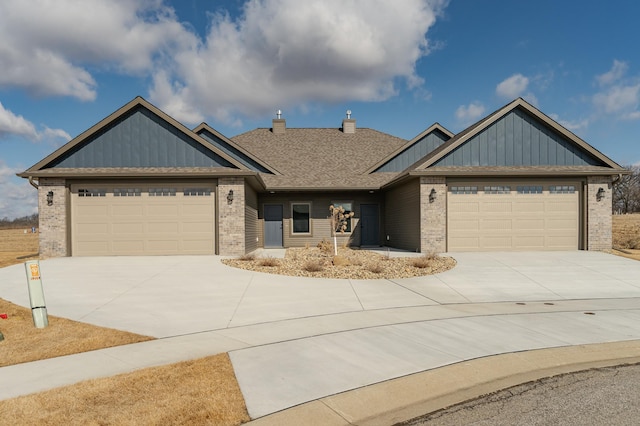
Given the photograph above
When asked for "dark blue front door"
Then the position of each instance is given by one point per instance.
(273, 225)
(369, 225)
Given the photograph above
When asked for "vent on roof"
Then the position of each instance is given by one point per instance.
(348, 124)
(279, 125)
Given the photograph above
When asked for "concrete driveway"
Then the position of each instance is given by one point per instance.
(166, 296)
(293, 340)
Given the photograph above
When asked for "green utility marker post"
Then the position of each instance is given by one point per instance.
(36, 294)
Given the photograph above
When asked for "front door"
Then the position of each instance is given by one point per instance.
(273, 225)
(369, 225)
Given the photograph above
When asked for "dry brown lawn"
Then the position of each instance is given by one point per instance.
(16, 246)
(203, 392)
(200, 392)
(626, 235)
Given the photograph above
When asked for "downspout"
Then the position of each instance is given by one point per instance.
(32, 183)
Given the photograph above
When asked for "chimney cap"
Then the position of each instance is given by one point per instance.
(348, 114)
(278, 114)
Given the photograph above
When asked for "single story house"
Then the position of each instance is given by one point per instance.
(141, 183)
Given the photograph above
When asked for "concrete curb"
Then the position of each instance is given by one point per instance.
(408, 397)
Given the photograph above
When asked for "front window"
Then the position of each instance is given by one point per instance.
(301, 217)
(348, 208)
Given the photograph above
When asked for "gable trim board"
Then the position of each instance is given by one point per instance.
(417, 211)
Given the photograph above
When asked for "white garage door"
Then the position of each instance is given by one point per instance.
(136, 219)
(513, 216)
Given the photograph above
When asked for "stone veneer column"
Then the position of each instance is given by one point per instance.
(599, 213)
(231, 224)
(433, 215)
(53, 219)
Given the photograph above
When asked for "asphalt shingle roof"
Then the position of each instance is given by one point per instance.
(321, 158)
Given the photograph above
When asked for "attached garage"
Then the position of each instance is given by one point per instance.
(513, 215)
(134, 218)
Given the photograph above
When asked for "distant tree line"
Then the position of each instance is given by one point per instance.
(626, 192)
(19, 222)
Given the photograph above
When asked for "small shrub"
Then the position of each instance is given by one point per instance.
(376, 268)
(325, 246)
(269, 262)
(423, 261)
(313, 266)
(341, 261)
(247, 257)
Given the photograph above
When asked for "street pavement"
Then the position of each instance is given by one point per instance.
(294, 340)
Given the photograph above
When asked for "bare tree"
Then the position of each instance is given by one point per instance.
(339, 223)
(626, 192)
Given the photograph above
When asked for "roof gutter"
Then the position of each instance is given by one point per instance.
(32, 183)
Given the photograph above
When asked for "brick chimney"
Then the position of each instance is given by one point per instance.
(279, 124)
(348, 124)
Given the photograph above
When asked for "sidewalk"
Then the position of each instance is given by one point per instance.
(295, 340)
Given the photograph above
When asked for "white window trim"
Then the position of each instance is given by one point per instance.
(292, 232)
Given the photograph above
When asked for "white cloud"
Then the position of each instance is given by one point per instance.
(512, 87)
(618, 99)
(287, 52)
(617, 71)
(574, 126)
(12, 124)
(49, 46)
(470, 113)
(277, 53)
(18, 197)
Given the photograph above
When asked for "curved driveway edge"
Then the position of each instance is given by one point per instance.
(405, 398)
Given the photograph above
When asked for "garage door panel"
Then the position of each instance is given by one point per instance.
(528, 242)
(529, 224)
(496, 207)
(496, 224)
(538, 220)
(89, 211)
(496, 242)
(143, 224)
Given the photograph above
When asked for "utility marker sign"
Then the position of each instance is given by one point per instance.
(36, 294)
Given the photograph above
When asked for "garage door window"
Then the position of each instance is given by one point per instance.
(162, 192)
(127, 192)
(529, 189)
(562, 189)
(464, 189)
(497, 189)
(92, 192)
(197, 192)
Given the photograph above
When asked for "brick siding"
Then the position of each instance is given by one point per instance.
(599, 213)
(433, 215)
(231, 220)
(53, 219)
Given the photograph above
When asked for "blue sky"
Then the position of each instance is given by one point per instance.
(399, 66)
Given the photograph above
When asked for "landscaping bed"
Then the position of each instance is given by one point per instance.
(320, 262)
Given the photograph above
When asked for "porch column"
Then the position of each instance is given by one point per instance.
(53, 219)
(433, 214)
(599, 206)
(231, 223)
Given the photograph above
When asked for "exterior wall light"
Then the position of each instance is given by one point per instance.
(50, 198)
(230, 197)
(600, 194)
(432, 195)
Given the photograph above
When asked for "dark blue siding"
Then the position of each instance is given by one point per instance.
(415, 152)
(233, 152)
(140, 139)
(518, 139)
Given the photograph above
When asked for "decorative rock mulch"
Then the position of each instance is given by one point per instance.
(349, 264)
